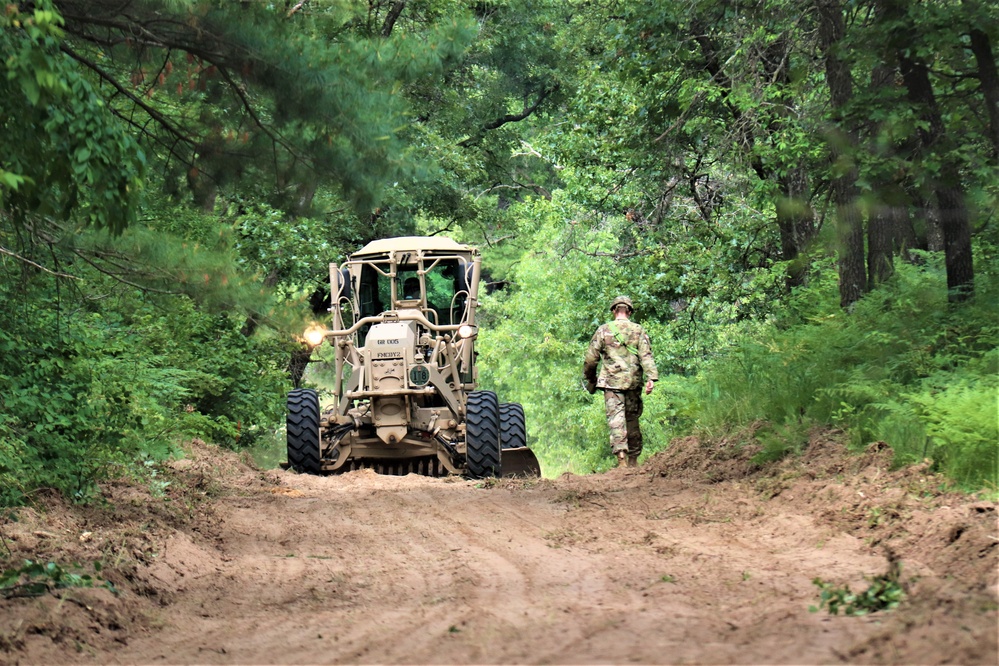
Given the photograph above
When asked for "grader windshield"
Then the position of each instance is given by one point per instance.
(434, 293)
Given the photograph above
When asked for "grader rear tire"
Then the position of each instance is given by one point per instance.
(482, 435)
(303, 431)
(513, 428)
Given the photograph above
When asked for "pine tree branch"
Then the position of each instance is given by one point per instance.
(516, 186)
(116, 276)
(248, 107)
(614, 255)
(171, 147)
(183, 37)
(153, 113)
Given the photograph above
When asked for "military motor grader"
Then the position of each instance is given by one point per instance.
(405, 395)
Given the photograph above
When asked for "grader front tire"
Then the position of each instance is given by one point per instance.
(303, 431)
(482, 435)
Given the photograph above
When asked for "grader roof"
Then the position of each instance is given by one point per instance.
(403, 243)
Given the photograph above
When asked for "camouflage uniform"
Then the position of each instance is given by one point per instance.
(624, 349)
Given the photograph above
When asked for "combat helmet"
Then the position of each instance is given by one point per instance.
(622, 300)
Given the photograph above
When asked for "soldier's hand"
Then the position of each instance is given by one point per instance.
(591, 386)
(649, 386)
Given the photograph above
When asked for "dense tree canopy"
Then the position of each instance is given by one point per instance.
(799, 196)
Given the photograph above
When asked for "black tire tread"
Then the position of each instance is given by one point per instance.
(513, 428)
(482, 435)
(303, 431)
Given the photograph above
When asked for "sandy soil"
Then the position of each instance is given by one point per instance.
(696, 557)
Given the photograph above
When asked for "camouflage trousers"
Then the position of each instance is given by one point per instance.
(623, 409)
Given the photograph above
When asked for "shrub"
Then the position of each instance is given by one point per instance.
(905, 366)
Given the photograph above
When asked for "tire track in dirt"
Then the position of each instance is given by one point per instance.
(686, 579)
(694, 558)
(366, 569)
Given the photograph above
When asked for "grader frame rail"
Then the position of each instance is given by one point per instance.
(405, 394)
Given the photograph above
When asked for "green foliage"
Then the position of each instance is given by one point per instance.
(33, 579)
(533, 340)
(121, 339)
(659, 149)
(531, 346)
(960, 418)
(87, 390)
(779, 442)
(884, 593)
(252, 96)
(904, 367)
(62, 151)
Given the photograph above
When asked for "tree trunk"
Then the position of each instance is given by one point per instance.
(881, 232)
(299, 360)
(903, 232)
(795, 217)
(927, 227)
(981, 46)
(849, 221)
(393, 15)
(796, 223)
(880, 245)
(956, 237)
(953, 210)
(204, 189)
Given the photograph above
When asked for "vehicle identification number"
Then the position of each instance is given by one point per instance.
(419, 375)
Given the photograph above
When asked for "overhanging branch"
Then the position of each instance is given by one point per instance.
(153, 113)
(509, 118)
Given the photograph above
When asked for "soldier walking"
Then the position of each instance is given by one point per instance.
(623, 349)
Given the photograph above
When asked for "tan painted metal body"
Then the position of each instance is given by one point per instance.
(404, 330)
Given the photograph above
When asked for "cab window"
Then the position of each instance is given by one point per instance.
(441, 282)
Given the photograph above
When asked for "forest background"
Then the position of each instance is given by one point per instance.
(799, 196)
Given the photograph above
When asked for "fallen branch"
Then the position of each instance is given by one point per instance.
(4, 250)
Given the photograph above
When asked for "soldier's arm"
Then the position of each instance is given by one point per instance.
(592, 357)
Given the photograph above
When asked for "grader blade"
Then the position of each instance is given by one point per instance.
(520, 462)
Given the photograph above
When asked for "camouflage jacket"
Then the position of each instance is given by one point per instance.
(621, 364)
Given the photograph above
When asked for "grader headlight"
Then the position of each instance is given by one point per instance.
(315, 334)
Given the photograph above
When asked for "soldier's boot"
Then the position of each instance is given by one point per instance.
(622, 458)
(632, 461)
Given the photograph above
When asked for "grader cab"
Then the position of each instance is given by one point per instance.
(405, 395)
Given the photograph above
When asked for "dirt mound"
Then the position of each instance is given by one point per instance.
(696, 460)
(117, 540)
(947, 541)
(702, 555)
(909, 510)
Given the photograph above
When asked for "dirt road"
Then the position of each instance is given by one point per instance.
(694, 558)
